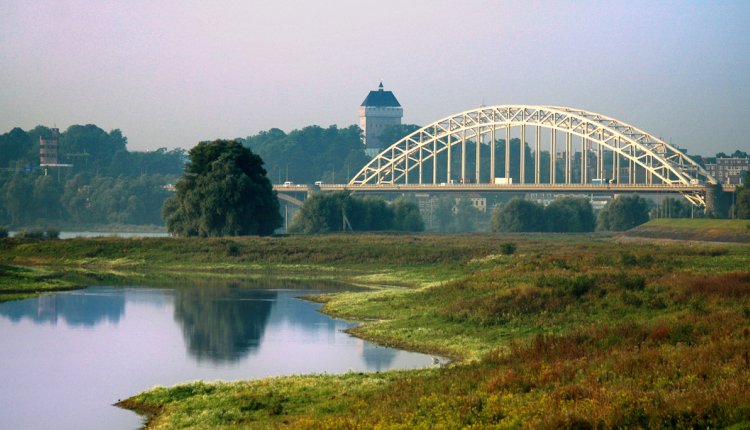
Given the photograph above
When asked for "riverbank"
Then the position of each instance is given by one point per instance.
(395, 259)
(556, 331)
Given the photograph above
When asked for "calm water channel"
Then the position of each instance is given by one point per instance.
(65, 358)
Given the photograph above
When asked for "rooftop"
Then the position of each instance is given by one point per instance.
(381, 98)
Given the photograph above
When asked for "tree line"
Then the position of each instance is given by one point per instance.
(331, 155)
(570, 215)
(340, 211)
(106, 184)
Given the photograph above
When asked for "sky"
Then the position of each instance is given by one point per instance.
(172, 73)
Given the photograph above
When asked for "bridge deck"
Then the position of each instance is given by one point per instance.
(540, 188)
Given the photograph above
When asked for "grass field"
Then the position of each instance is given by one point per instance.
(567, 331)
(703, 229)
(702, 223)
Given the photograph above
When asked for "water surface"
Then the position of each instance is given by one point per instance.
(65, 358)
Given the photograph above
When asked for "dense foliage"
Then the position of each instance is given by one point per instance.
(623, 213)
(406, 216)
(563, 215)
(339, 211)
(224, 192)
(569, 215)
(90, 150)
(741, 207)
(331, 155)
(674, 208)
(519, 215)
(106, 183)
(456, 215)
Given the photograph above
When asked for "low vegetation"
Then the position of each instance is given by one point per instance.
(569, 332)
(704, 230)
(22, 282)
(545, 331)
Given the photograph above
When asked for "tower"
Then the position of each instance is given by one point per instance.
(380, 109)
(48, 149)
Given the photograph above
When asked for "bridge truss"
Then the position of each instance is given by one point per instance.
(582, 148)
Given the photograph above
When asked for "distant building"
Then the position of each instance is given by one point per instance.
(48, 149)
(379, 110)
(729, 170)
(478, 202)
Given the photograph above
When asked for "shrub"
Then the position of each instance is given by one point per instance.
(518, 215)
(623, 213)
(406, 216)
(630, 282)
(508, 248)
(580, 285)
(575, 286)
(569, 214)
(3, 232)
(35, 233)
(233, 250)
(52, 233)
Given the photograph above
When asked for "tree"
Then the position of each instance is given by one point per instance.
(466, 215)
(623, 213)
(742, 199)
(224, 192)
(16, 193)
(518, 215)
(742, 204)
(311, 154)
(46, 197)
(569, 214)
(321, 213)
(325, 212)
(672, 208)
(443, 213)
(393, 133)
(406, 216)
(372, 214)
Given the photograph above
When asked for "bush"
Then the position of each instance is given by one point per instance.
(233, 250)
(518, 215)
(569, 214)
(508, 248)
(623, 213)
(329, 212)
(52, 233)
(36, 234)
(630, 282)
(3, 232)
(406, 216)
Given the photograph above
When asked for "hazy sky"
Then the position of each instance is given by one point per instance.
(172, 73)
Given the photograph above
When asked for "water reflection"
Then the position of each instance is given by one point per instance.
(222, 324)
(137, 337)
(377, 357)
(75, 308)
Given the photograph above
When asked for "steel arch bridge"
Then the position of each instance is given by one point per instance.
(584, 148)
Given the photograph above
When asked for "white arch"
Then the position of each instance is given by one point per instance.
(666, 163)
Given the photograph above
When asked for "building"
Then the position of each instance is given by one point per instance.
(379, 110)
(729, 170)
(48, 149)
(478, 202)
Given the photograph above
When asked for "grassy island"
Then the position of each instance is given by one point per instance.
(545, 331)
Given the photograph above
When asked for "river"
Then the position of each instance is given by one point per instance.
(65, 358)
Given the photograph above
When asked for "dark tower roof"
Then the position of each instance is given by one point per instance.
(381, 98)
